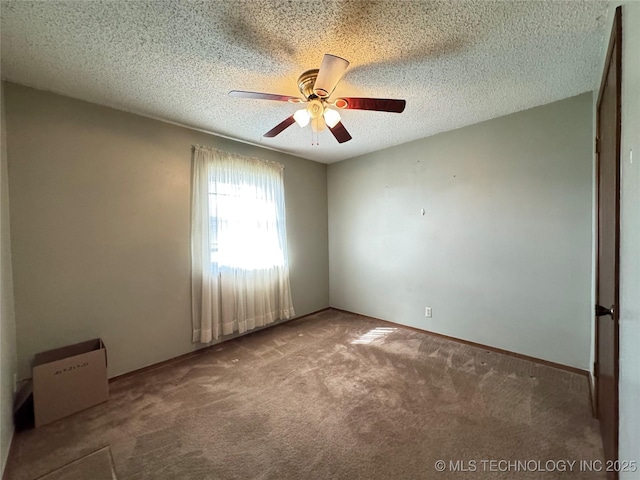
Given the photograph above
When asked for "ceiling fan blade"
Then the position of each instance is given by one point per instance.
(340, 133)
(331, 71)
(265, 96)
(286, 123)
(377, 104)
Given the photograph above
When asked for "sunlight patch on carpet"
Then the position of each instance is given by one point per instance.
(372, 335)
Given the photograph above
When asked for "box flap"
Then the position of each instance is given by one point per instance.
(68, 351)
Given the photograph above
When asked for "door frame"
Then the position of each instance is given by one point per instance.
(614, 40)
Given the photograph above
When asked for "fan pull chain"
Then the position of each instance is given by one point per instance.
(312, 143)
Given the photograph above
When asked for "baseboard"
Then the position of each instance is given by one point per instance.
(521, 356)
(202, 350)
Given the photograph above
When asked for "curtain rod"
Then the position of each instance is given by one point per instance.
(237, 155)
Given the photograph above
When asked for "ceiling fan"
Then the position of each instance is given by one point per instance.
(317, 85)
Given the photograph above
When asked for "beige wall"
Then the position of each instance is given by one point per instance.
(503, 252)
(100, 228)
(8, 359)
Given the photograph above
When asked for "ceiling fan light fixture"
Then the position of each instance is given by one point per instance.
(315, 108)
(302, 117)
(331, 117)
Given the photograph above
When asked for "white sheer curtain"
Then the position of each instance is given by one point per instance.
(239, 264)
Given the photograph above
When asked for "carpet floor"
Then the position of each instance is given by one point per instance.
(331, 396)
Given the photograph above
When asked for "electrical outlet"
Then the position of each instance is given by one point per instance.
(427, 312)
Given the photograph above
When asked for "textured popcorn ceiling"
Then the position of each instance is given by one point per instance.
(455, 62)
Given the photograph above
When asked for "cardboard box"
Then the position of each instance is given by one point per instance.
(69, 379)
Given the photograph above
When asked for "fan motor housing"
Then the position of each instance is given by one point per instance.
(306, 81)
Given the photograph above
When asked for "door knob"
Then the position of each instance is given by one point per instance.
(602, 311)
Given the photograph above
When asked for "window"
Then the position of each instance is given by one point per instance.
(243, 223)
(240, 270)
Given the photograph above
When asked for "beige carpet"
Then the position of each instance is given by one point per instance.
(332, 396)
(95, 466)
